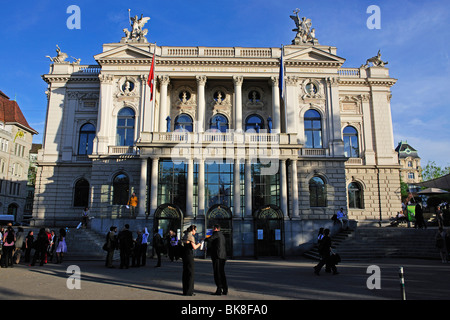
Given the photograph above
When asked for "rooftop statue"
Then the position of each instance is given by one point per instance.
(60, 57)
(137, 33)
(303, 28)
(376, 61)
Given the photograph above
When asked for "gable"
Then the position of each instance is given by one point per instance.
(311, 55)
(124, 53)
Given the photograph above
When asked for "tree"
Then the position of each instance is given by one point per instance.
(433, 171)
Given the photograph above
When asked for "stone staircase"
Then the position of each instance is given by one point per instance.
(365, 243)
(84, 244)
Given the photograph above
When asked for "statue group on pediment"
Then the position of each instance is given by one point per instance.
(305, 34)
(137, 33)
(376, 61)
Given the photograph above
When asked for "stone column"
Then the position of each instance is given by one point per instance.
(190, 188)
(104, 119)
(163, 112)
(248, 188)
(201, 187)
(276, 112)
(238, 103)
(201, 81)
(154, 186)
(294, 181)
(237, 189)
(143, 189)
(284, 188)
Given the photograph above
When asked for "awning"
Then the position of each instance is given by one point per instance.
(441, 183)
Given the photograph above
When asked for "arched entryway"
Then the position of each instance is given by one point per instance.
(168, 217)
(269, 232)
(221, 215)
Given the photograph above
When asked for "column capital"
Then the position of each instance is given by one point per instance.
(201, 80)
(164, 80)
(274, 81)
(238, 80)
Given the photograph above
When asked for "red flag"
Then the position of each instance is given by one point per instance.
(151, 77)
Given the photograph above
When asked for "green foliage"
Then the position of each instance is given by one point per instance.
(433, 171)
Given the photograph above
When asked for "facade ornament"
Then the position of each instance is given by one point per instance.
(137, 33)
(60, 57)
(376, 61)
(305, 35)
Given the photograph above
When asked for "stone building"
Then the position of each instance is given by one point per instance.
(409, 160)
(225, 136)
(16, 137)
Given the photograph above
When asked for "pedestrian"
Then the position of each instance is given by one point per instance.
(9, 239)
(136, 256)
(158, 245)
(40, 247)
(111, 245)
(439, 216)
(20, 245)
(319, 236)
(132, 204)
(420, 222)
(173, 248)
(218, 257)
(61, 247)
(325, 253)
(144, 245)
(442, 239)
(342, 218)
(29, 240)
(85, 217)
(125, 246)
(51, 246)
(189, 245)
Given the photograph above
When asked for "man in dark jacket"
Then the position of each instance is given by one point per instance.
(218, 257)
(325, 253)
(125, 246)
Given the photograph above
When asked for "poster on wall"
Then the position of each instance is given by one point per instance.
(277, 234)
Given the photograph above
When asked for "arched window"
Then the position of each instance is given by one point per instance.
(313, 129)
(125, 127)
(219, 123)
(86, 139)
(254, 122)
(81, 194)
(183, 122)
(317, 192)
(351, 148)
(121, 188)
(355, 196)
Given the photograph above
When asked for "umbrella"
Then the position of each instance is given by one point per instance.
(431, 191)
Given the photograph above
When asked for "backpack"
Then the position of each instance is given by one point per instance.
(10, 237)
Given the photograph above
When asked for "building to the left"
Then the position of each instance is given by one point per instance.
(16, 137)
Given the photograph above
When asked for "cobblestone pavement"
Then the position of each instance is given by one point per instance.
(261, 280)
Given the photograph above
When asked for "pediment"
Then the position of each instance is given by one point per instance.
(125, 52)
(312, 55)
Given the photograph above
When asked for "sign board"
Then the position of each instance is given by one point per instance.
(260, 234)
(411, 212)
(277, 234)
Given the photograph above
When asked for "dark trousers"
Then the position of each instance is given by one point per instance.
(109, 258)
(125, 258)
(188, 275)
(326, 260)
(39, 253)
(158, 254)
(7, 256)
(136, 259)
(143, 254)
(219, 275)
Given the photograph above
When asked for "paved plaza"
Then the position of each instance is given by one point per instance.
(260, 280)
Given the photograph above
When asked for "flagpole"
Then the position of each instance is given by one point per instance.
(152, 117)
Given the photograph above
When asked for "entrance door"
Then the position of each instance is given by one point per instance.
(269, 232)
(168, 217)
(221, 215)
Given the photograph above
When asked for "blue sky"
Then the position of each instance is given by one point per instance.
(414, 39)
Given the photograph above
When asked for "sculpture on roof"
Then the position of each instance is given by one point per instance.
(60, 57)
(137, 33)
(376, 61)
(303, 28)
